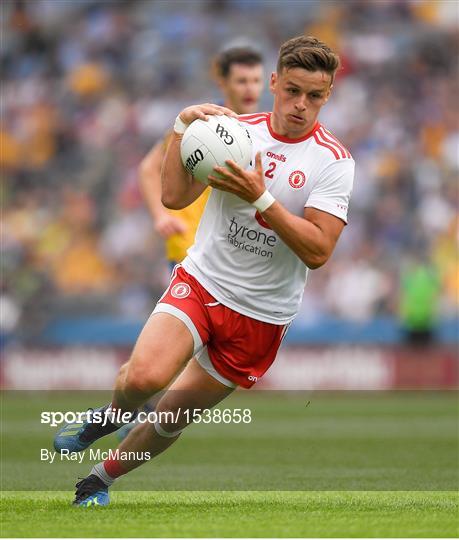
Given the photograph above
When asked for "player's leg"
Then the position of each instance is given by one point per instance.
(150, 405)
(162, 349)
(194, 389)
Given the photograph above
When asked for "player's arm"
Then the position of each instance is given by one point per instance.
(312, 237)
(180, 189)
(150, 186)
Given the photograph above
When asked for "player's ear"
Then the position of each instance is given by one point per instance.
(273, 82)
(327, 95)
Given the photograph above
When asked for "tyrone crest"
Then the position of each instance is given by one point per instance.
(181, 290)
(297, 179)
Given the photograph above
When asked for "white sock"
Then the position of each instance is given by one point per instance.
(100, 472)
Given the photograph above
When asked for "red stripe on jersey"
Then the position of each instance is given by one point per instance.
(348, 154)
(250, 116)
(337, 141)
(253, 122)
(329, 141)
(321, 143)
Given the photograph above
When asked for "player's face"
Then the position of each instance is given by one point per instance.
(242, 88)
(298, 97)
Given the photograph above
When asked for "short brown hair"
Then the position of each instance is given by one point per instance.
(236, 55)
(307, 52)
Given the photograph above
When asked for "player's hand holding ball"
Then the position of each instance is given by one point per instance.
(249, 185)
(212, 135)
(202, 112)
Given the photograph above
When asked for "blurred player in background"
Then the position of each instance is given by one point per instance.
(239, 75)
(232, 306)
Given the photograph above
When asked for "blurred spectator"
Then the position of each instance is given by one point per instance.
(10, 313)
(88, 80)
(357, 291)
(419, 296)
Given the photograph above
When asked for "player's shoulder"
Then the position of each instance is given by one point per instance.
(329, 146)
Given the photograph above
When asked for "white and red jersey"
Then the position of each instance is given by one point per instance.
(236, 256)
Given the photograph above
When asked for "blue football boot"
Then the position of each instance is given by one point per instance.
(77, 436)
(91, 491)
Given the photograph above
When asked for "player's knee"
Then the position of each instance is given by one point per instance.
(123, 371)
(144, 381)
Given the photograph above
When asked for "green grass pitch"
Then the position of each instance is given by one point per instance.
(234, 514)
(350, 464)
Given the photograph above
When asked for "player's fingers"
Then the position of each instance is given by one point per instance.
(193, 113)
(223, 171)
(215, 182)
(225, 112)
(208, 109)
(236, 168)
(222, 109)
(258, 165)
(212, 112)
(201, 115)
(211, 108)
(229, 112)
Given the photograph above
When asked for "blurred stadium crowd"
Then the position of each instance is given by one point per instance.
(88, 87)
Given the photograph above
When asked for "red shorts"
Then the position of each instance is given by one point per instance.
(233, 348)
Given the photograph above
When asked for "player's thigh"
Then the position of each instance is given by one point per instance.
(162, 349)
(193, 390)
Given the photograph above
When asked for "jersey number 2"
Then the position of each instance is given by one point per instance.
(270, 170)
